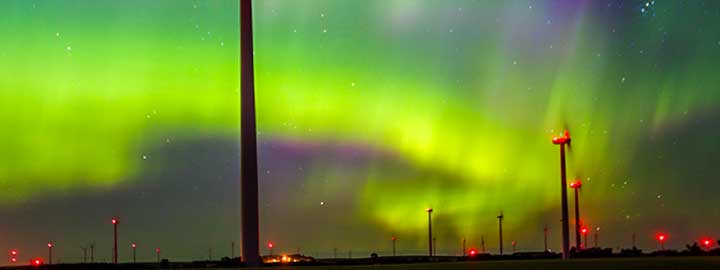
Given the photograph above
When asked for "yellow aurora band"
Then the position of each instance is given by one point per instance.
(453, 103)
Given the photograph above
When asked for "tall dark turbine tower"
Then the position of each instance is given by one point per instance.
(482, 244)
(430, 235)
(576, 186)
(500, 220)
(545, 234)
(562, 141)
(115, 233)
(248, 140)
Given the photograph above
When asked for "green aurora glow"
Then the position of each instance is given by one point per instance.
(453, 102)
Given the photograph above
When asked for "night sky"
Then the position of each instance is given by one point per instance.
(368, 113)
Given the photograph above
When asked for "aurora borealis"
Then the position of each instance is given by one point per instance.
(368, 112)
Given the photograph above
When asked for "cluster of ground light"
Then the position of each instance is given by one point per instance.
(704, 248)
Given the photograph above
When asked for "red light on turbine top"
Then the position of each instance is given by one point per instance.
(473, 252)
(661, 237)
(584, 230)
(157, 250)
(133, 245)
(13, 260)
(270, 245)
(707, 242)
(50, 245)
(393, 238)
(576, 184)
(37, 262)
(114, 221)
(13, 252)
(562, 140)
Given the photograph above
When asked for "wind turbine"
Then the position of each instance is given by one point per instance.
(430, 235)
(584, 232)
(545, 234)
(250, 225)
(576, 185)
(500, 220)
(562, 141)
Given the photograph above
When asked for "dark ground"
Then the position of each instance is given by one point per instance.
(644, 263)
(654, 263)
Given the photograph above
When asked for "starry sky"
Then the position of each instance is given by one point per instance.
(369, 111)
